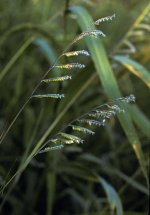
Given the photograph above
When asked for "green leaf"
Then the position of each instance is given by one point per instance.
(135, 68)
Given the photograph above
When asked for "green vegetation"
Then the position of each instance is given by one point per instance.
(71, 141)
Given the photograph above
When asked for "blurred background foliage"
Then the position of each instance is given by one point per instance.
(108, 174)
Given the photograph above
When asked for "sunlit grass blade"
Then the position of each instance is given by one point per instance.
(108, 80)
(135, 68)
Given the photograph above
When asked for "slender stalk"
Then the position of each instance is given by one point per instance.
(2, 137)
(27, 101)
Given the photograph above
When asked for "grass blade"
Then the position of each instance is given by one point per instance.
(134, 67)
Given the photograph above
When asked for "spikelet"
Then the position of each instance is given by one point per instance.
(62, 141)
(82, 129)
(62, 78)
(93, 33)
(90, 122)
(127, 99)
(102, 113)
(71, 137)
(107, 18)
(48, 149)
(71, 66)
(76, 53)
(68, 141)
(55, 96)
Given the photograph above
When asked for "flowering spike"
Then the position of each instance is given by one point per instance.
(90, 122)
(71, 66)
(62, 141)
(48, 149)
(62, 78)
(82, 129)
(55, 96)
(127, 99)
(76, 53)
(102, 113)
(93, 33)
(107, 18)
